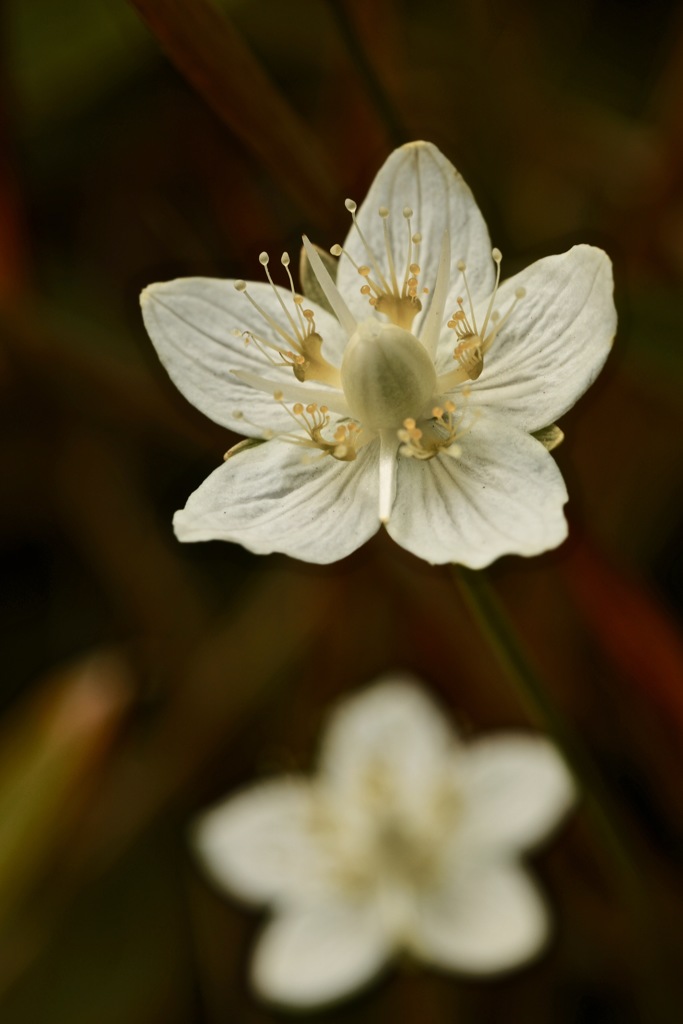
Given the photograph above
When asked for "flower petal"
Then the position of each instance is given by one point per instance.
(278, 497)
(391, 730)
(556, 340)
(418, 176)
(315, 955)
(516, 788)
(486, 918)
(259, 844)
(503, 495)
(192, 322)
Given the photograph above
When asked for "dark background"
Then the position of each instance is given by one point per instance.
(143, 679)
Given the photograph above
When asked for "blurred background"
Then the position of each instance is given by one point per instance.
(143, 679)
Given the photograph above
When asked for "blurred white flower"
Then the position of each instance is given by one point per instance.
(404, 393)
(407, 840)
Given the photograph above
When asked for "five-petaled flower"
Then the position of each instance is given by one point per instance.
(404, 390)
(406, 842)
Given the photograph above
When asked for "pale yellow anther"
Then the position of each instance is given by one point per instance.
(496, 255)
(298, 409)
(383, 212)
(336, 249)
(240, 286)
(461, 265)
(520, 293)
(350, 205)
(278, 396)
(263, 259)
(407, 212)
(284, 259)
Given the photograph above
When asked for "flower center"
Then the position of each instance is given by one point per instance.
(475, 341)
(393, 293)
(387, 375)
(300, 345)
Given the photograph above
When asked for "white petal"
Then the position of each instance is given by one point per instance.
(282, 497)
(503, 495)
(318, 954)
(394, 730)
(192, 322)
(515, 790)
(485, 919)
(418, 176)
(556, 340)
(260, 845)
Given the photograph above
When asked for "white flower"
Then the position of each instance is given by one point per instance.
(406, 393)
(408, 840)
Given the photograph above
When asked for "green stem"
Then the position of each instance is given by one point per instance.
(604, 815)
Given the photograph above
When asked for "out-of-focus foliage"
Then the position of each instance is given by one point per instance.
(565, 120)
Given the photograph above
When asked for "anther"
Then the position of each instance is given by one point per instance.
(407, 212)
(336, 250)
(461, 265)
(496, 255)
(263, 259)
(350, 205)
(520, 293)
(383, 212)
(284, 259)
(240, 286)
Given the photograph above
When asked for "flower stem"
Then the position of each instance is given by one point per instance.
(604, 815)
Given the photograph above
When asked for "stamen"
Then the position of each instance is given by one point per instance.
(264, 433)
(499, 321)
(497, 258)
(314, 419)
(241, 286)
(264, 260)
(384, 214)
(462, 267)
(352, 207)
(397, 300)
(434, 437)
(296, 299)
